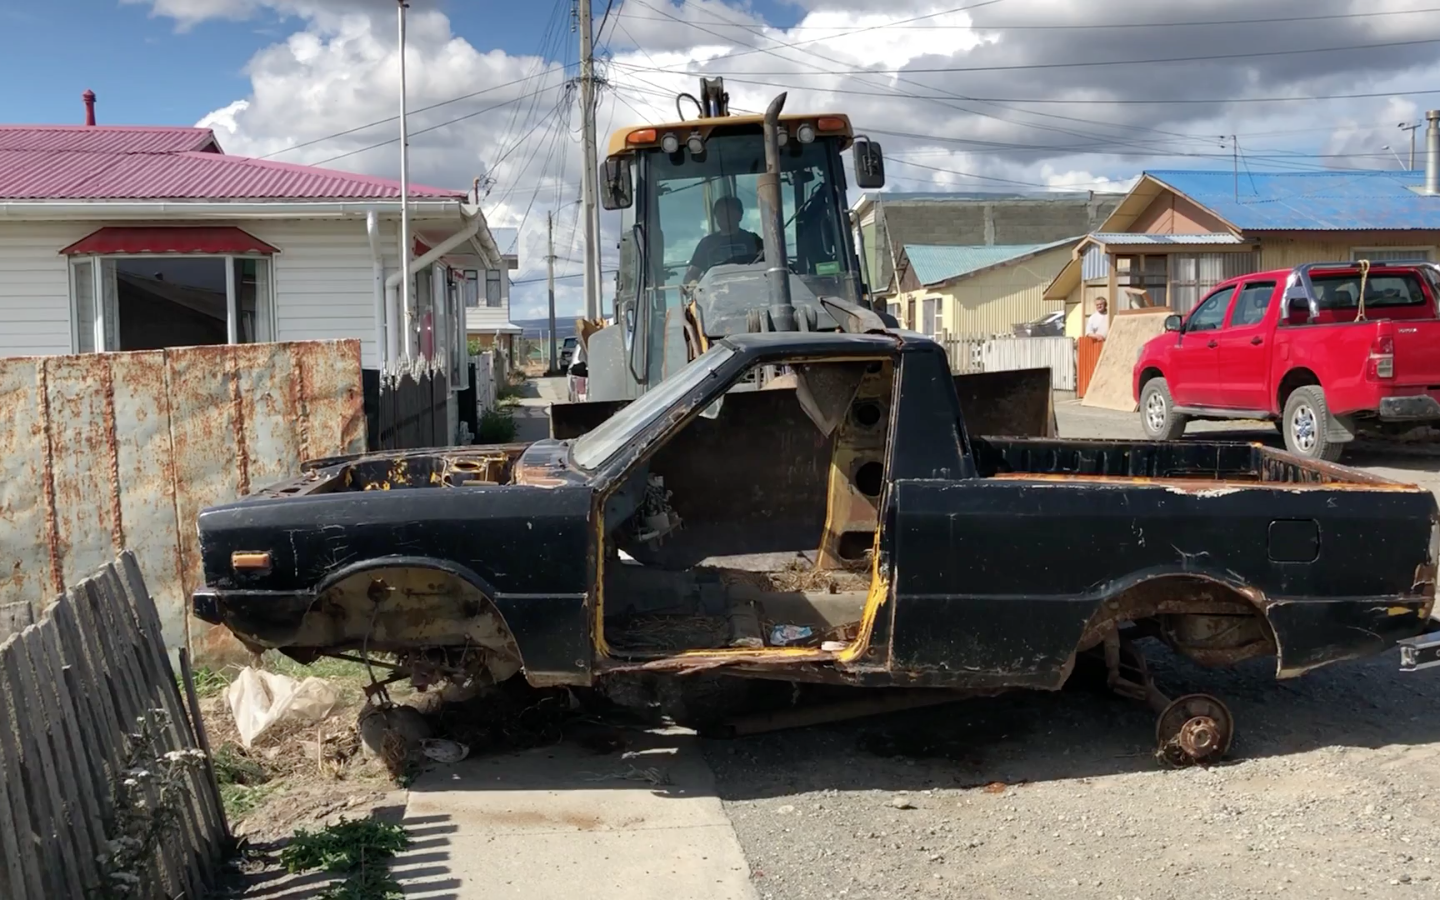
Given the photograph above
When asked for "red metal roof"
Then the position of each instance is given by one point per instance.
(168, 239)
(131, 163)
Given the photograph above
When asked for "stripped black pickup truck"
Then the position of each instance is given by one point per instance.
(810, 507)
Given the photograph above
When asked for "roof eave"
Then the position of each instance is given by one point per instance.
(62, 210)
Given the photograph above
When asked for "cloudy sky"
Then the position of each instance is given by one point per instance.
(972, 95)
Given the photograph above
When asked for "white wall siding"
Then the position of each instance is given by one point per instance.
(324, 280)
(35, 287)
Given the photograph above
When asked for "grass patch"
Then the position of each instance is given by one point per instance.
(497, 426)
(359, 849)
(240, 800)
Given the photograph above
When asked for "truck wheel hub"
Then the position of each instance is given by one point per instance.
(1155, 412)
(1302, 425)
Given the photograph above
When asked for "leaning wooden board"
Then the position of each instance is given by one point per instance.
(1112, 386)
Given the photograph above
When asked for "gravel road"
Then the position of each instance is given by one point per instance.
(1333, 789)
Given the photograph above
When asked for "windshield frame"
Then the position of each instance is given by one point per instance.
(831, 167)
(593, 450)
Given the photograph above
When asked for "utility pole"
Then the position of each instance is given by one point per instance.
(588, 163)
(1412, 128)
(550, 284)
(405, 248)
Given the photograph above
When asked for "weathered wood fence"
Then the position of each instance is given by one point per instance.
(72, 687)
(406, 410)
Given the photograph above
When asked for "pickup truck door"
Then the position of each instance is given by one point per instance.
(1244, 362)
(1195, 361)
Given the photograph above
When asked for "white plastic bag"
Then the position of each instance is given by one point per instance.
(259, 699)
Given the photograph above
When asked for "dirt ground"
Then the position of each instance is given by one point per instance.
(1332, 791)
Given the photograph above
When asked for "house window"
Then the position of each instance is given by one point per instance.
(928, 324)
(1193, 275)
(471, 289)
(1392, 254)
(149, 302)
(492, 288)
(910, 314)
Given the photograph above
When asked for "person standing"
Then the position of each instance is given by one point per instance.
(1098, 324)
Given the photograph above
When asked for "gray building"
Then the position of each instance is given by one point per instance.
(888, 221)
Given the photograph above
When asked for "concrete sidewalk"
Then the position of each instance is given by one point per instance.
(561, 822)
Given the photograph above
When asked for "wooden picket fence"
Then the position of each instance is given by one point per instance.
(72, 687)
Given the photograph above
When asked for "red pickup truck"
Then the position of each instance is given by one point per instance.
(1324, 350)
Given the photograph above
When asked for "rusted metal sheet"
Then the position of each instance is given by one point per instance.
(26, 575)
(145, 468)
(116, 451)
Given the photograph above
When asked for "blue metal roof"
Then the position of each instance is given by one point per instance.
(933, 263)
(1310, 201)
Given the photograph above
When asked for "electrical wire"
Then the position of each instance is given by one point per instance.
(1015, 67)
(436, 126)
(1289, 20)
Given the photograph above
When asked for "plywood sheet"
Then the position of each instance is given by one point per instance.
(1112, 386)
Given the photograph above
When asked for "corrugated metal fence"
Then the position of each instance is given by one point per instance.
(1002, 354)
(112, 451)
(1054, 353)
(73, 686)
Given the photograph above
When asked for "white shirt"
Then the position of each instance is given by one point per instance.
(1098, 325)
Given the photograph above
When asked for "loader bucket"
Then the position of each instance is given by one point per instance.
(1012, 404)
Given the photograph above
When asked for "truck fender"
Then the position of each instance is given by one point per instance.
(482, 622)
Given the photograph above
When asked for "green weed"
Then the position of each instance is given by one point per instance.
(358, 849)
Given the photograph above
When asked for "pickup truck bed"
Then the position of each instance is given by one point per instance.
(843, 529)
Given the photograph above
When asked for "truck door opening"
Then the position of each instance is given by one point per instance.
(753, 530)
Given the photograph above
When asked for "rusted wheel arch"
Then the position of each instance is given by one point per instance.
(1181, 594)
(449, 606)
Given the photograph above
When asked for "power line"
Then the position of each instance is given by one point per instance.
(1090, 26)
(410, 114)
(1082, 101)
(439, 125)
(1079, 64)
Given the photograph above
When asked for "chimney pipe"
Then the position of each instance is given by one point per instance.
(1432, 152)
(89, 98)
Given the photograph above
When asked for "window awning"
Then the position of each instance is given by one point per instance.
(212, 239)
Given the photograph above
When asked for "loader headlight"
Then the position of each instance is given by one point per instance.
(805, 133)
(696, 143)
(670, 143)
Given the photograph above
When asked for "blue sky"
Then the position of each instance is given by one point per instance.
(147, 71)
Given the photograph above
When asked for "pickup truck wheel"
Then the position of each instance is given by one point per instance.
(1306, 425)
(1157, 412)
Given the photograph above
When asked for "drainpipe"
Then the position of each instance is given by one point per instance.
(372, 231)
(474, 226)
(1432, 152)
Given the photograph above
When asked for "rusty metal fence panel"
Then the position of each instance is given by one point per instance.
(111, 451)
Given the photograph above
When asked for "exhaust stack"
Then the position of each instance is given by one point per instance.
(1432, 152)
(89, 98)
(772, 212)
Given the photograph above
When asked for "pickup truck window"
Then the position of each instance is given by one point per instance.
(592, 449)
(1254, 300)
(1343, 291)
(1210, 314)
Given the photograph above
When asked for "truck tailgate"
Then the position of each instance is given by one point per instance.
(1417, 353)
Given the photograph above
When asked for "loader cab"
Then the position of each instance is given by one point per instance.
(690, 213)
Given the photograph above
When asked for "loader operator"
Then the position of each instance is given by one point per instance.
(730, 245)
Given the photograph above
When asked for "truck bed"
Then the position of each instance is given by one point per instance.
(1182, 461)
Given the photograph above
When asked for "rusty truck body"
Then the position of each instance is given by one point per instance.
(839, 525)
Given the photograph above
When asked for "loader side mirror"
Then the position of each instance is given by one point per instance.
(617, 191)
(869, 164)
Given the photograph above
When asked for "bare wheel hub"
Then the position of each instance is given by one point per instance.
(1194, 730)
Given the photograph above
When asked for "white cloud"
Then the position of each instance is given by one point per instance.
(970, 130)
